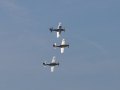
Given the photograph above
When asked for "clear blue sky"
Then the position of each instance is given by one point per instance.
(92, 29)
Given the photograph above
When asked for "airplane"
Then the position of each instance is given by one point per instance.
(59, 29)
(52, 64)
(62, 46)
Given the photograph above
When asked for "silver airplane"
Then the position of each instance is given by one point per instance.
(52, 64)
(59, 29)
(62, 46)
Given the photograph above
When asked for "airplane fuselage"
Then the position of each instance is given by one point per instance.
(58, 30)
(51, 64)
(62, 46)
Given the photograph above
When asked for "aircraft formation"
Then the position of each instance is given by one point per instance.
(62, 46)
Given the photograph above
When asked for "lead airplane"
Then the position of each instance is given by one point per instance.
(62, 46)
(59, 29)
(52, 64)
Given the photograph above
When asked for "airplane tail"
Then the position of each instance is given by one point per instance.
(54, 45)
(51, 29)
(44, 63)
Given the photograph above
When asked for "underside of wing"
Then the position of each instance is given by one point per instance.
(58, 34)
(52, 68)
(53, 59)
(59, 25)
(62, 50)
(63, 42)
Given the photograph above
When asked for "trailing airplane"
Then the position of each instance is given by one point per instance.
(52, 64)
(59, 29)
(62, 46)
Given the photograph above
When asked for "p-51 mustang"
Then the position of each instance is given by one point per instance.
(52, 64)
(59, 29)
(62, 46)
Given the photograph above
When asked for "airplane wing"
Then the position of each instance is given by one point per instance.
(63, 42)
(59, 25)
(58, 34)
(53, 59)
(62, 50)
(52, 68)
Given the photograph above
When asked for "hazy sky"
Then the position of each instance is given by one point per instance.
(92, 29)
